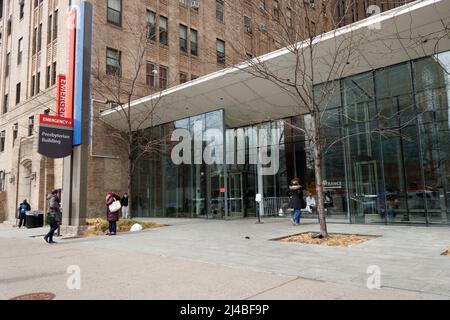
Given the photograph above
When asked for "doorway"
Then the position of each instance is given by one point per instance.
(367, 193)
(235, 195)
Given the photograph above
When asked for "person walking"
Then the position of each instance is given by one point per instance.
(24, 207)
(124, 203)
(112, 213)
(54, 215)
(392, 206)
(296, 202)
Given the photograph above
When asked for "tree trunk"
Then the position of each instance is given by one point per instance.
(319, 177)
(320, 193)
(129, 187)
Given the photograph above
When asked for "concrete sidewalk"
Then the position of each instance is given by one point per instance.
(206, 259)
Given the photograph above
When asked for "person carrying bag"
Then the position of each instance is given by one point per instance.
(113, 208)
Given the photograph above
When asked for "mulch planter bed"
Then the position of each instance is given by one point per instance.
(334, 240)
(98, 227)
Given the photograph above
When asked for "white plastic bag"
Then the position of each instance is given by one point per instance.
(136, 228)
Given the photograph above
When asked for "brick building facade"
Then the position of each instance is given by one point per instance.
(182, 40)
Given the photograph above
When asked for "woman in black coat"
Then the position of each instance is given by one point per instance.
(296, 202)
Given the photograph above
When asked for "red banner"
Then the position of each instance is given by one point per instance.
(71, 67)
(61, 96)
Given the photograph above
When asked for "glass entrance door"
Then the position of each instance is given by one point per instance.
(366, 193)
(235, 195)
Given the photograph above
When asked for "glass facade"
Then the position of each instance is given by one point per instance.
(387, 160)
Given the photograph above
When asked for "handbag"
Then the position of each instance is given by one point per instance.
(50, 218)
(115, 206)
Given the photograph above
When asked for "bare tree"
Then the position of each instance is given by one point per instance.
(298, 27)
(129, 76)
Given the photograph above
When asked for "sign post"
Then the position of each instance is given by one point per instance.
(78, 104)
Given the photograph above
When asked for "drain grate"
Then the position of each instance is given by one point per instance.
(36, 296)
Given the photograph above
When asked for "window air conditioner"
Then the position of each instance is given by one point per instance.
(311, 3)
(194, 4)
(263, 28)
(261, 5)
(15, 127)
(31, 121)
(113, 105)
(2, 134)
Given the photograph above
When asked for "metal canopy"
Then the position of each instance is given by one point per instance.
(406, 33)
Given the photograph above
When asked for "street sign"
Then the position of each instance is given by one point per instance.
(55, 136)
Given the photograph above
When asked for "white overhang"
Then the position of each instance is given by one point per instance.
(411, 31)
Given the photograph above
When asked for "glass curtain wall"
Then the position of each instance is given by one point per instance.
(395, 128)
(386, 145)
(162, 188)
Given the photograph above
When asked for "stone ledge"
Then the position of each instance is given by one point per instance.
(72, 231)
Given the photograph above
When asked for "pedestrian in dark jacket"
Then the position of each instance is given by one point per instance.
(24, 207)
(112, 216)
(124, 203)
(297, 202)
(54, 215)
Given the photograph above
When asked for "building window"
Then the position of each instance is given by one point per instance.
(33, 45)
(151, 20)
(184, 2)
(49, 29)
(48, 76)
(20, 51)
(9, 26)
(151, 74)
(163, 33)
(289, 17)
(5, 103)
(113, 64)
(39, 38)
(183, 77)
(55, 25)
(247, 24)
(2, 181)
(183, 38)
(194, 42)
(38, 83)
(31, 126)
(219, 10)
(220, 48)
(18, 87)
(276, 9)
(193, 77)
(163, 77)
(54, 73)
(15, 132)
(114, 15)
(2, 140)
(262, 4)
(21, 9)
(33, 82)
(8, 64)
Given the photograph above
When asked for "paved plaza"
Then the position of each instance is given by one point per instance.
(207, 259)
